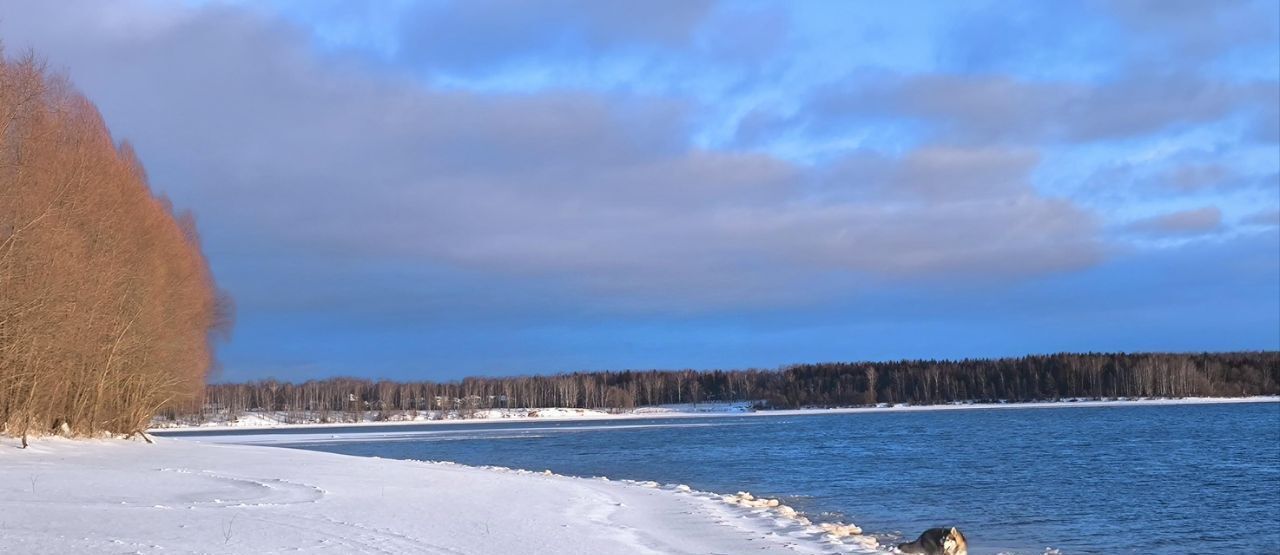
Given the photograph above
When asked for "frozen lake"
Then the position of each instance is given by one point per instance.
(1122, 479)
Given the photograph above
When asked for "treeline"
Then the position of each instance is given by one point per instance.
(106, 302)
(809, 385)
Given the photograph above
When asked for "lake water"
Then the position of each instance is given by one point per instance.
(1122, 479)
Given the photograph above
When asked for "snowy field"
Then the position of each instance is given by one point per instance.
(113, 496)
(265, 420)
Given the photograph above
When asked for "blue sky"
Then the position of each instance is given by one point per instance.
(437, 189)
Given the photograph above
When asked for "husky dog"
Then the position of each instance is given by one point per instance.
(938, 541)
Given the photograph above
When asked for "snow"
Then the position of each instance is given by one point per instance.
(281, 419)
(115, 496)
(266, 420)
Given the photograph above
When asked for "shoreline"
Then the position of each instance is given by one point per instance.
(593, 415)
(89, 496)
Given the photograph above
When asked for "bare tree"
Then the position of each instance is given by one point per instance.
(106, 302)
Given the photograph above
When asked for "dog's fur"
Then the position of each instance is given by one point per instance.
(938, 541)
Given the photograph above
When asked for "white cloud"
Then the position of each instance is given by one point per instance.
(280, 150)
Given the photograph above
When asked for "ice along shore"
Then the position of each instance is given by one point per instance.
(113, 496)
(277, 420)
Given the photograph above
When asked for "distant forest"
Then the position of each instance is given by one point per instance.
(1031, 378)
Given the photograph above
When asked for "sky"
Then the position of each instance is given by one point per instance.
(430, 190)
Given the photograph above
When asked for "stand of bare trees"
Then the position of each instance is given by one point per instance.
(106, 302)
(1032, 378)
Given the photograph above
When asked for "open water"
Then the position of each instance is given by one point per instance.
(1122, 479)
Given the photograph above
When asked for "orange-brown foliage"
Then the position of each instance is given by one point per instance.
(106, 301)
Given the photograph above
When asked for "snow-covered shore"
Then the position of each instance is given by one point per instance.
(113, 496)
(256, 420)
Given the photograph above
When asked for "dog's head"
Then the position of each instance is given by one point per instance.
(954, 543)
